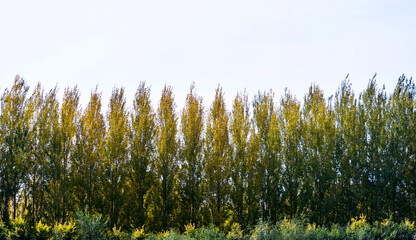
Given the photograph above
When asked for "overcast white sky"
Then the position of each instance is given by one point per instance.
(255, 45)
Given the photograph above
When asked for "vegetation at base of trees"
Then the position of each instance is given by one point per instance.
(89, 227)
(149, 169)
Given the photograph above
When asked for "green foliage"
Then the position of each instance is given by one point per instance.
(328, 159)
(3, 231)
(217, 149)
(138, 234)
(89, 227)
(235, 232)
(142, 147)
(42, 231)
(114, 165)
(210, 232)
(86, 168)
(117, 234)
(64, 231)
(166, 164)
(265, 231)
(239, 129)
(191, 157)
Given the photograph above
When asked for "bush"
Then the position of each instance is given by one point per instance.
(314, 233)
(337, 233)
(90, 227)
(117, 234)
(291, 228)
(42, 231)
(18, 230)
(359, 229)
(138, 234)
(389, 230)
(235, 233)
(64, 231)
(3, 231)
(264, 231)
(207, 233)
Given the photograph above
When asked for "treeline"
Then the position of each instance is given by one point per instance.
(328, 160)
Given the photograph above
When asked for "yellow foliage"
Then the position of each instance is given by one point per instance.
(287, 224)
(64, 227)
(18, 222)
(42, 227)
(311, 227)
(116, 231)
(385, 222)
(235, 232)
(139, 233)
(358, 223)
(190, 227)
(163, 234)
(411, 225)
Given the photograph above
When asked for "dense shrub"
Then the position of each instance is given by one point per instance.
(265, 231)
(138, 234)
(64, 231)
(89, 227)
(18, 230)
(42, 231)
(3, 232)
(117, 234)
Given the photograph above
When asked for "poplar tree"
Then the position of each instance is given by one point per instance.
(269, 164)
(191, 156)
(253, 192)
(47, 154)
(89, 148)
(407, 96)
(373, 107)
(14, 147)
(116, 153)
(142, 147)
(34, 182)
(293, 174)
(217, 154)
(166, 165)
(348, 152)
(239, 129)
(69, 121)
(400, 119)
(319, 148)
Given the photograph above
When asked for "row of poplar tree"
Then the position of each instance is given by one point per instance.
(326, 159)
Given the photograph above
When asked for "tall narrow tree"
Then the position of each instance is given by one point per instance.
(293, 174)
(142, 147)
(348, 137)
(114, 165)
(217, 153)
(14, 148)
(319, 139)
(239, 128)
(89, 147)
(166, 163)
(34, 182)
(191, 153)
(400, 119)
(373, 107)
(269, 164)
(69, 118)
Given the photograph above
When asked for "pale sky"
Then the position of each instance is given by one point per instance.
(253, 45)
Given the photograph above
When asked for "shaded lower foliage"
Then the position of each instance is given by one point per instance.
(88, 227)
